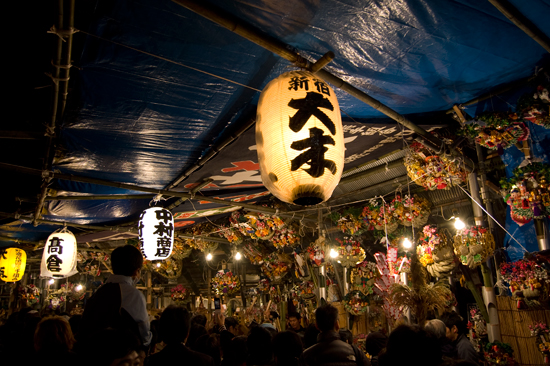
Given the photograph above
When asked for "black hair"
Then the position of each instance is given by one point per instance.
(199, 319)
(210, 345)
(174, 324)
(411, 345)
(310, 336)
(453, 318)
(346, 336)
(287, 347)
(126, 260)
(259, 346)
(195, 332)
(230, 322)
(326, 316)
(294, 314)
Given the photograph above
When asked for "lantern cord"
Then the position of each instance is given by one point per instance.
(491, 216)
(168, 60)
(406, 145)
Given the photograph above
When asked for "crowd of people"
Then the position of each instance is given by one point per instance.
(114, 330)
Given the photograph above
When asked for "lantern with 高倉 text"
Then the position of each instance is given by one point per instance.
(156, 233)
(59, 257)
(299, 138)
(12, 264)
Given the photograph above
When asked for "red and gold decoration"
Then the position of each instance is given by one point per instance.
(276, 266)
(169, 268)
(411, 211)
(540, 331)
(473, 245)
(254, 252)
(350, 252)
(362, 277)
(379, 215)
(535, 107)
(527, 281)
(433, 171)
(232, 235)
(499, 354)
(299, 138)
(285, 237)
(527, 192)
(180, 295)
(29, 295)
(12, 264)
(225, 283)
(316, 252)
(356, 303)
(435, 252)
(262, 230)
(497, 130)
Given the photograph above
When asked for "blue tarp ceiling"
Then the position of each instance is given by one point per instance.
(156, 85)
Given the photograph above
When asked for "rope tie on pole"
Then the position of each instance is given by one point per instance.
(58, 66)
(50, 131)
(56, 80)
(62, 33)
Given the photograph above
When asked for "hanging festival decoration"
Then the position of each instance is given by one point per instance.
(76, 291)
(264, 285)
(356, 303)
(156, 233)
(420, 297)
(362, 277)
(180, 295)
(411, 211)
(349, 222)
(241, 223)
(29, 295)
(232, 235)
(262, 230)
(535, 107)
(477, 328)
(382, 286)
(379, 215)
(254, 252)
(305, 290)
(497, 130)
(285, 237)
(89, 262)
(59, 256)
(350, 252)
(299, 138)
(433, 171)
(473, 245)
(527, 192)
(169, 268)
(499, 354)
(276, 266)
(527, 281)
(540, 331)
(12, 264)
(225, 283)
(435, 252)
(316, 251)
(181, 249)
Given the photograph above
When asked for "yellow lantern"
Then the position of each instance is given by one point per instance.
(12, 264)
(156, 233)
(299, 138)
(59, 256)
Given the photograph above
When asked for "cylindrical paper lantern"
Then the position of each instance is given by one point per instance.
(12, 264)
(299, 138)
(156, 233)
(59, 257)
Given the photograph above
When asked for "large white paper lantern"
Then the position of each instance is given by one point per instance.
(12, 264)
(299, 138)
(156, 233)
(59, 257)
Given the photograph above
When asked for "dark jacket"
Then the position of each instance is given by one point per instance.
(331, 351)
(178, 354)
(465, 350)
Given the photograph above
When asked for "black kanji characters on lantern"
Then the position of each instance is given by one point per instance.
(163, 247)
(309, 106)
(53, 263)
(302, 83)
(2, 272)
(315, 153)
(163, 229)
(164, 215)
(55, 245)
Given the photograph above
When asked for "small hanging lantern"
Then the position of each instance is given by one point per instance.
(12, 264)
(59, 257)
(299, 138)
(156, 233)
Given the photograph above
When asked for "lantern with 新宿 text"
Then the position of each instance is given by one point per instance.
(12, 264)
(156, 233)
(59, 256)
(299, 138)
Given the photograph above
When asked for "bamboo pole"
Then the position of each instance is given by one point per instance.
(516, 17)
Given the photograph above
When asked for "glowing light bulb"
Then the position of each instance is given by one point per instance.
(79, 287)
(158, 265)
(333, 253)
(209, 257)
(238, 256)
(51, 281)
(407, 243)
(459, 225)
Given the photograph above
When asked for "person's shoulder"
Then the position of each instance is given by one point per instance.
(197, 358)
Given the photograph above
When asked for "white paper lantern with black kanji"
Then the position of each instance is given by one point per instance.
(59, 257)
(299, 138)
(12, 264)
(156, 233)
